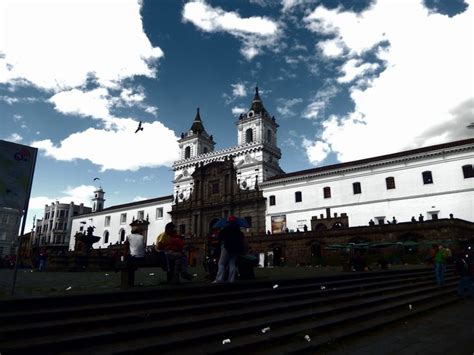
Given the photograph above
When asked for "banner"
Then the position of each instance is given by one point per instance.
(278, 224)
(16, 174)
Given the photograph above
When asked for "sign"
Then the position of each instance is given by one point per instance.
(278, 224)
(16, 174)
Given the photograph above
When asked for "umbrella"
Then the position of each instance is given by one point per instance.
(242, 223)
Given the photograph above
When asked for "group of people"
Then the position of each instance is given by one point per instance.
(441, 255)
(169, 247)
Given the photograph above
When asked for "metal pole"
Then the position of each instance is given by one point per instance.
(23, 223)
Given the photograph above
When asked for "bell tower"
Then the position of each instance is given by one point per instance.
(98, 200)
(196, 141)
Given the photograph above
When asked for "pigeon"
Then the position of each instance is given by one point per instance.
(140, 128)
(96, 178)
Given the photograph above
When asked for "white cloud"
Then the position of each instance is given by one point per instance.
(129, 180)
(94, 103)
(119, 148)
(14, 137)
(139, 198)
(255, 32)
(316, 109)
(331, 47)
(238, 90)
(316, 151)
(17, 117)
(78, 194)
(427, 83)
(354, 68)
(148, 177)
(286, 106)
(238, 110)
(288, 5)
(61, 52)
(24, 126)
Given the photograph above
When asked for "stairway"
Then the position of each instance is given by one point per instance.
(302, 315)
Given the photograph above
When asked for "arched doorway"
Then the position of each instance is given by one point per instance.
(122, 235)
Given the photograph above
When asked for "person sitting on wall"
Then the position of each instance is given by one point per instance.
(371, 222)
(413, 219)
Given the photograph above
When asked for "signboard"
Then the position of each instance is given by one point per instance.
(16, 174)
(278, 224)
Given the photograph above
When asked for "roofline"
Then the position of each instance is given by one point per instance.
(352, 164)
(126, 205)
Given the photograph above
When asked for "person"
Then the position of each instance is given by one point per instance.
(134, 246)
(413, 219)
(305, 228)
(232, 245)
(172, 246)
(371, 222)
(43, 257)
(440, 265)
(394, 220)
(421, 218)
(465, 285)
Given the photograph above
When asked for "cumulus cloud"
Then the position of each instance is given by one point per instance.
(62, 52)
(331, 47)
(425, 87)
(77, 194)
(316, 151)
(255, 32)
(238, 90)
(321, 100)
(139, 151)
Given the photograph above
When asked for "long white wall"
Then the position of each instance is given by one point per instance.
(156, 226)
(449, 193)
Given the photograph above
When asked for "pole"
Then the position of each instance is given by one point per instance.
(23, 223)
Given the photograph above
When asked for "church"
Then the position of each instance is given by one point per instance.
(431, 183)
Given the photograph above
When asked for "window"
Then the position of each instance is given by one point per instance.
(159, 212)
(106, 237)
(327, 192)
(107, 221)
(122, 235)
(123, 218)
(182, 229)
(272, 200)
(3, 235)
(248, 220)
(356, 188)
(187, 153)
(141, 215)
(468, 171)
(427, 177)
(249, 135)
(205, 150)
(298, 196)
(81, 228)
(390, 182)
(269, 136)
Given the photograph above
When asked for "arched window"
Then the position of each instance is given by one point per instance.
(204, 150)
(106, 237)
(427, 177)
(327, 192)
(298, 196)
(269, 136)
(249, 135)
(390, 182)
(122, 235)
(187, 153)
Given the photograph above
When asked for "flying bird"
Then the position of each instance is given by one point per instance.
(470, 125)
(96, 178)
(140, 128)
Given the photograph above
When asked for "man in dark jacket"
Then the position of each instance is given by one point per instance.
(465, 285)
(232, 245)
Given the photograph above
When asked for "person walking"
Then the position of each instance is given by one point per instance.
(440, 265)
(232, 245)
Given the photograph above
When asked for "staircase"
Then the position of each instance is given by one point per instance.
(302, 315)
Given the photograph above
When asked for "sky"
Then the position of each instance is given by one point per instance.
(345, 80)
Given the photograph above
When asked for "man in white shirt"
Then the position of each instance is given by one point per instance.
(135, 246)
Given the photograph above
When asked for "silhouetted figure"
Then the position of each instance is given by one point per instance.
(413, 219)
(421, 218)
(268, 232)
(305, 228)
(371, 222)
(297, 230)
(394, 221)
(451, 216)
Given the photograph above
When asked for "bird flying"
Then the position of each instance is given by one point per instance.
(140, 128)
(96, 178)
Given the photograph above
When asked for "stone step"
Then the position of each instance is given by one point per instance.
(287, 300)
(145, 338)
(90, 308)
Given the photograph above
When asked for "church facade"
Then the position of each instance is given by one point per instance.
(246, 180)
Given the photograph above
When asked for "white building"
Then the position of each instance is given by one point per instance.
(112, 223)
(256, 156)
(434, 181)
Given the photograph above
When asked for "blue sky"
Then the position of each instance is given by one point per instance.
(344, 82)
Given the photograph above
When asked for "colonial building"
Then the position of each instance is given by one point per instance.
(246, 180)
(431, 182)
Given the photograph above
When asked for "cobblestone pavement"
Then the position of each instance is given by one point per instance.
(447, 331)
